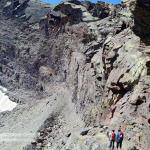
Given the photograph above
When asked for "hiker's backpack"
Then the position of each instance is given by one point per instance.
(113, 136)
(120, 136)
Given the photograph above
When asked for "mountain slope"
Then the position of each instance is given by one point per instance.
(93, 58)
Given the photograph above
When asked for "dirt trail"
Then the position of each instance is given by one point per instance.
(21, 125)
(98, 142)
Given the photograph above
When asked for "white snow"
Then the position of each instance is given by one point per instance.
(5, 103)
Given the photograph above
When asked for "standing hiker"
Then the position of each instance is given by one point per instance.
(119, 138)
(112, 136)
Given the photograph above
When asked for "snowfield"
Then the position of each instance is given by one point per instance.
(5, 103)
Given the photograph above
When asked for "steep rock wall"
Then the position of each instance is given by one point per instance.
(101, 52)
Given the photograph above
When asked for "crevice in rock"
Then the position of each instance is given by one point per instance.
(92, 65)
(148, 67)
(139, 101)
(87, 38)
(104, 64)
(121, 89)
(0, 68)
(118, 92)
(17, 77)
(110, 60)
(113, 111)
(104, 33)
(90, 56)
(113, 60)
(119, 97)
(123, 27)
(142, 46)
(99, 78)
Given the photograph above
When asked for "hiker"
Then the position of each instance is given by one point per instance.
(112, 137)
(119, 139)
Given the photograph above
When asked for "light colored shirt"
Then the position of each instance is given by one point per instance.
(110, 135)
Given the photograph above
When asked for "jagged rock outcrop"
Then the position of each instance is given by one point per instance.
(96, 53)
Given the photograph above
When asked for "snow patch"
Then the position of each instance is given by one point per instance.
(5, 103)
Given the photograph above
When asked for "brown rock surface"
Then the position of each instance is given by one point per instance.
(94, 55)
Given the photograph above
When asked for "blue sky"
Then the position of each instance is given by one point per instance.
(53, 2)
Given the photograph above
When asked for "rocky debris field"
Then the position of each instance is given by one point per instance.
(73, 66)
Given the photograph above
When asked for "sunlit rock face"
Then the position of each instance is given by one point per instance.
(98, 52)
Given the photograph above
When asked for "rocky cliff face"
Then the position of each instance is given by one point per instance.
(98, 52)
